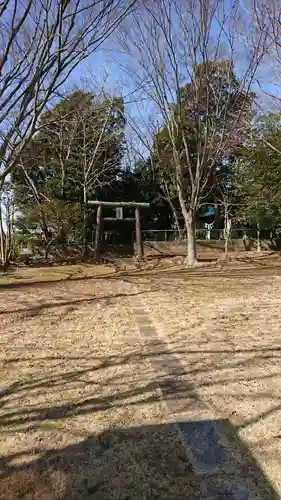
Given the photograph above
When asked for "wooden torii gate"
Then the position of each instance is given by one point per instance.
(119, 216)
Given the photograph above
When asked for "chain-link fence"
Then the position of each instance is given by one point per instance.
(201, 234)
(163, 235)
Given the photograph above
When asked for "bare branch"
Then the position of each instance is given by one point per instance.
(184, 56)
(42, 42)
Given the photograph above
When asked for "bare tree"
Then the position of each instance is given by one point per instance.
(266, 17)
(226, 200)
(7, 217)
(99, 149)
(42, 42)
(184, 54)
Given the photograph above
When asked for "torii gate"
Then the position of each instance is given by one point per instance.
(119, 216)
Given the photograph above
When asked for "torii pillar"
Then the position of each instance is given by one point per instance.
(115, 204)
(139, 243)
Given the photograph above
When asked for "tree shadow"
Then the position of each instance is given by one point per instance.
(145, 462)
(138, 462)
(33, 310)
(253, 267)
(168, 372)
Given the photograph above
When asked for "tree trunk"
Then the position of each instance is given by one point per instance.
(2, 244)
(226, 239)
(227, 231)
(191, 238)
(258, 238)
(98, 236)
(189, 219)
(47, 248)
(85, 224)
(226, 245)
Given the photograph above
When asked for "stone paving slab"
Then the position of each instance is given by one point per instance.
(204, 447)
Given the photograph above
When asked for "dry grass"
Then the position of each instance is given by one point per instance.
(79, 398)
(224, 325)
(73, 375)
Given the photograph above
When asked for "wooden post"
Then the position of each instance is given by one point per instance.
(138, 233)
(98, 232)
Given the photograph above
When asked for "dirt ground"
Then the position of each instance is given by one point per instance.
(81, 411)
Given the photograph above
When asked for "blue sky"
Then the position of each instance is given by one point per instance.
(109, 61)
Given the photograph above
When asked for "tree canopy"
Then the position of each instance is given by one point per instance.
(257, 176)
(77, 152)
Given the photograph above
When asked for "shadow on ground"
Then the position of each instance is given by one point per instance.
(135, 463)
(169, 374)
(33, 310)
(248, 268)
(145, 462)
